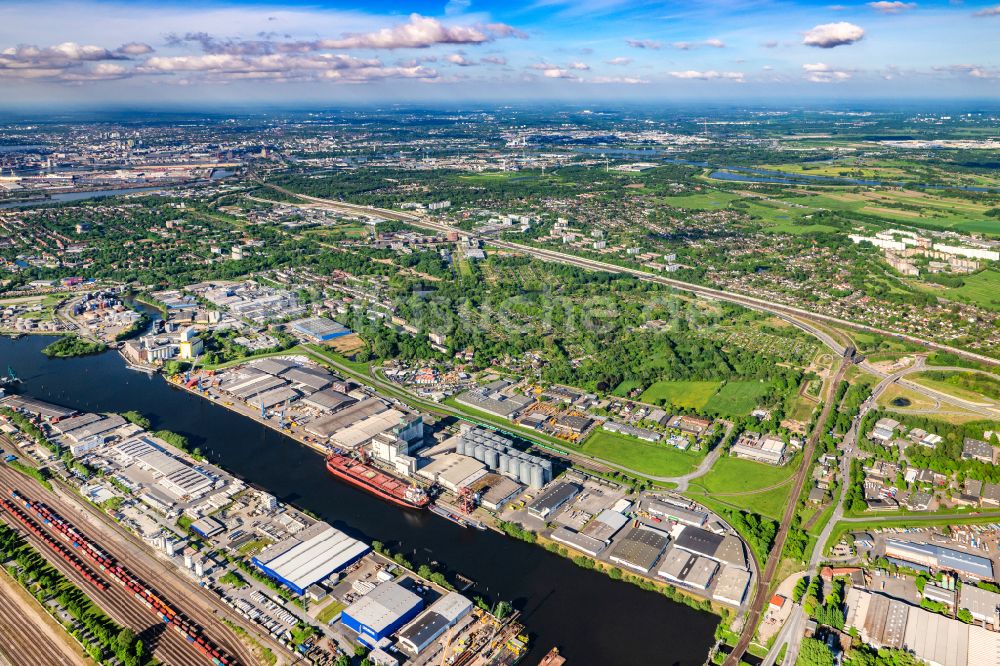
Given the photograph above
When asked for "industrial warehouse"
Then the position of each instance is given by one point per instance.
(310, 556)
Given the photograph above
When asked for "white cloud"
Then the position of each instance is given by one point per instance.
(829, 35)
(894, 7)
(988, 11)
(420, 32)
(459, 59)
(619, 61)
(974, 71)
(644, 44)
(627, 80)
(557, 73)
(134, 49)
(690, 46)
(281, 66)
(582, 66)
(822, 73)
(709, 75)
(493, 60)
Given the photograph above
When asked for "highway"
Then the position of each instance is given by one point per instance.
(803, 319)
(792, 314)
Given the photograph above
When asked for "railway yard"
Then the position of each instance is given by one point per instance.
(125, 596)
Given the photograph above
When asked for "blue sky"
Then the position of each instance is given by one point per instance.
(95, 52)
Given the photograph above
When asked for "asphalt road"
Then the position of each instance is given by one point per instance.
(790, 313)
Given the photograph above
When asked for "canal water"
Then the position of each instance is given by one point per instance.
(592, 619)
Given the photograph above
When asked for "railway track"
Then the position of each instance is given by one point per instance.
(121, 607)
(22, 640)
(756, 609)
(120, 603)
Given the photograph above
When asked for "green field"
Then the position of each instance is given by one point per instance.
(969, 385)
(983, 289)
(738, 398)
(713, 200)
(689, 394)
(733, 475)
(646, 457)
(626, 387)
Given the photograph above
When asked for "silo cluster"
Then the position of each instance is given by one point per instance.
(499, 455)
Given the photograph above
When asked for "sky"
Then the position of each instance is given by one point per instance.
(60, 54)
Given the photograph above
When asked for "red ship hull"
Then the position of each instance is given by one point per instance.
(374, 481)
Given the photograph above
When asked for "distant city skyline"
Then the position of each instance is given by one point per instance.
(177, 52)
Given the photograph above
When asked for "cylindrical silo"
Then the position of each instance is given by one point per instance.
(547, 470)
(524, 475)
(460, 446)
(503, 463)
(537, 476)
(492, 459)
(480, 452)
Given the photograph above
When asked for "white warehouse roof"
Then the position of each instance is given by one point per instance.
(311, 556)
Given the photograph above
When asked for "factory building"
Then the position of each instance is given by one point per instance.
(378, 614)
(491, 401)
(310, 556)
(452, 471)
(935, 639)
(725, 548)
(676, 513)
(640, 548)
(581, 542)
(319, 329)
(938, 557)
(731, 586)
(45, 411)
(407, 427)
(687, 569)
(427, 627)
(553, 498)
(325, 426)
(983, 604)
(328, 400)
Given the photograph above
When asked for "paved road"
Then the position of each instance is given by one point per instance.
(987, 409)
(774, 558)
(795, 315)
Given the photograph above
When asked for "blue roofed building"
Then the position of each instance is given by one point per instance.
(381, 612)
(931, 556)
(320, 329)
(310, 556)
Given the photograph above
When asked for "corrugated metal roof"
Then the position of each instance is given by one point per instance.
(383, 606)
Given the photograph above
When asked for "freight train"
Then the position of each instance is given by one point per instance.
(62, 551)
(149, 597)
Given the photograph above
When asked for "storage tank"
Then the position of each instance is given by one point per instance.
(460, 447)
(503, 463)
(524, 475)
(492, 459)
(480, 452)
(537, 476)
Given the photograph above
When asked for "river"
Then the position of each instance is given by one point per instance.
(593, 620)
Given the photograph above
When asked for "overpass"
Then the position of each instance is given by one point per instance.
(796, 316)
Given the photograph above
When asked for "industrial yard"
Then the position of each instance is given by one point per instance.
(305, 585)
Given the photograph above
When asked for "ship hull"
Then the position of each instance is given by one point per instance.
(341, 471)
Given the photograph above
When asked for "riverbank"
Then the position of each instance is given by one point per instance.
(563, 604)
(488, 520)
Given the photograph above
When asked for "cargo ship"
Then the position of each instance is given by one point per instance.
(364, 476)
